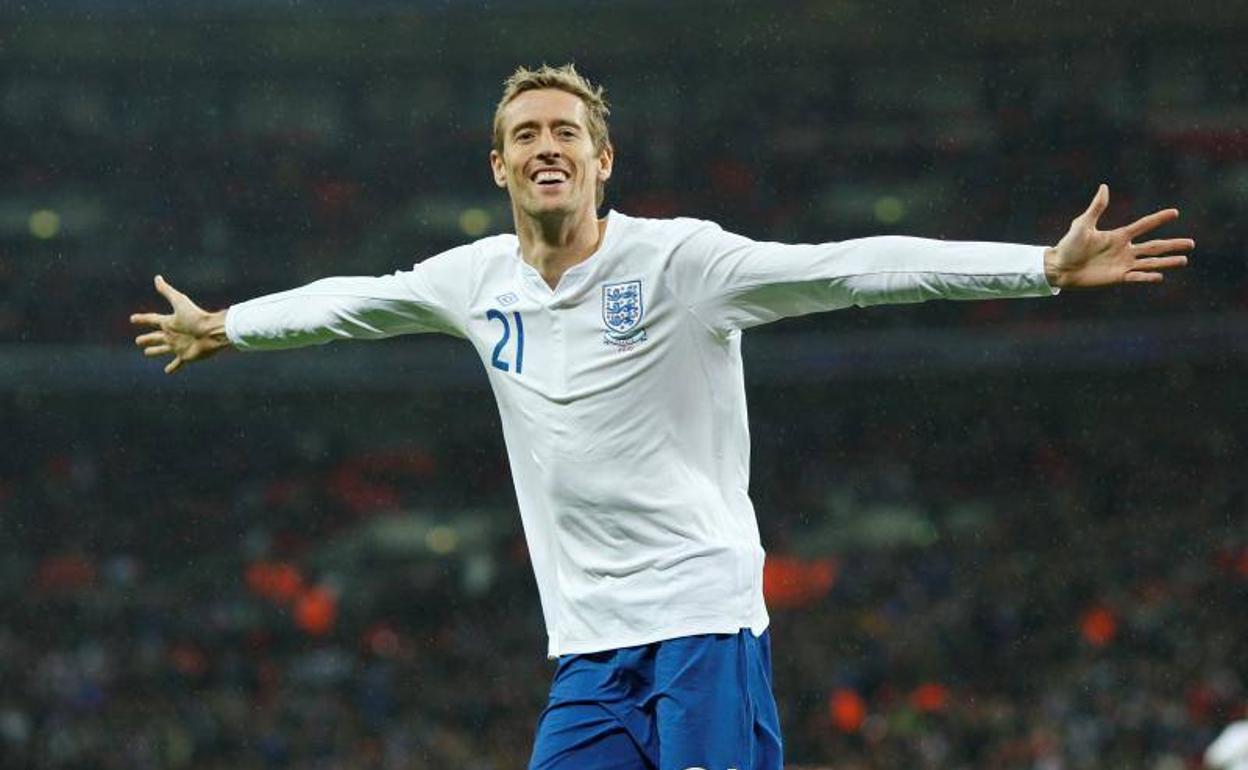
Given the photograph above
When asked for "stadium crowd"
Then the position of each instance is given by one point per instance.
(1043, 570)
(233, 185)
(958, 579)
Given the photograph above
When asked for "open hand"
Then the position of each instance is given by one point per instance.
(1086, 257)
(189, 333)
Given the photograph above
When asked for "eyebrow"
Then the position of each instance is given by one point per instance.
(558, 123)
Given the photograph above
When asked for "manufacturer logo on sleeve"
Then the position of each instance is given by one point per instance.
(622, 312)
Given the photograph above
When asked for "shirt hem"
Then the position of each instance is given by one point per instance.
(756, 625)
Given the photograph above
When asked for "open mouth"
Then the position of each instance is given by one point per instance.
(548, 177)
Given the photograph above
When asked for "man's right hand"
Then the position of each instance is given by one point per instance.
(189, 333)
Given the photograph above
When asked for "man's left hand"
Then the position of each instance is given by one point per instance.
(1086, 257)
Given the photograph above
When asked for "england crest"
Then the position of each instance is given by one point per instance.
(622, 311)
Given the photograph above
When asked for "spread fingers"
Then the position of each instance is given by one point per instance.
(151, 319)
(1160, 263)
(1164, 246)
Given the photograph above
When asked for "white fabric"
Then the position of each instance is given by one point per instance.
(628, 441)
(1230, 750)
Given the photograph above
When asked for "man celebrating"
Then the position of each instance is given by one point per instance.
(613, 347)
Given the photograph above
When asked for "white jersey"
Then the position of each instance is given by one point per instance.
(622, 396)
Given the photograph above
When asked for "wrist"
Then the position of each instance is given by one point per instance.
(212, 330)
(1052, 270)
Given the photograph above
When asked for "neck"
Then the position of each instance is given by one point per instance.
(555, 243)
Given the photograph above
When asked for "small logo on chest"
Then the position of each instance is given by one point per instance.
(622, 312)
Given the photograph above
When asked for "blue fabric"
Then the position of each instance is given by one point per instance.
(698, 702)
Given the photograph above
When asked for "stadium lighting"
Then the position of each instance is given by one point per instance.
(44, 224)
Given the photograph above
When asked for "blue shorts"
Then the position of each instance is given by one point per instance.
(697, 702)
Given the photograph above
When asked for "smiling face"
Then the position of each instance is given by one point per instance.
(548, 163)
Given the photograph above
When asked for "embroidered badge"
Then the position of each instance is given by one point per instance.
(622, 312)
(507, 299)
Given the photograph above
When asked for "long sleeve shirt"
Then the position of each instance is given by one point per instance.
(622, 395)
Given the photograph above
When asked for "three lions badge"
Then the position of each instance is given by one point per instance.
(622, 313)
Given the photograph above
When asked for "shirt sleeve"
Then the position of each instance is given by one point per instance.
(427, 298)
(731, 282)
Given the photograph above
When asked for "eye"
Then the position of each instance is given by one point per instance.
(567, 133)
(525, 135)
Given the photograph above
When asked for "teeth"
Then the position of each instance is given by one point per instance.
(550, 176)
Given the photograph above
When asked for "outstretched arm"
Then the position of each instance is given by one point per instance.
(733, 283)
(189, 333)
(1086, 257)
(427, 298)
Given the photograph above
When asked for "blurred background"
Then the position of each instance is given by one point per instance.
(1001, 534)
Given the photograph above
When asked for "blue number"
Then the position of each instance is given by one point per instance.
(496, 359)
(498, 362)
(519, 341)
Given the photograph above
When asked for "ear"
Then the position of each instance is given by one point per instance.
(500, 171)
(606, 162)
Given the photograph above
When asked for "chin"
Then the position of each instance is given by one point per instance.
(541, 207)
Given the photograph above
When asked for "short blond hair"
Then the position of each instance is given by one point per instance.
(564, 78)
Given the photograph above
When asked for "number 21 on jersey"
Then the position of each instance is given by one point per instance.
(499, 360)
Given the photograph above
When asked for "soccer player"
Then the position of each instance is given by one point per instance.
(613, 347)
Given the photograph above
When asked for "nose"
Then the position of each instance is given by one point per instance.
(547, 147)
